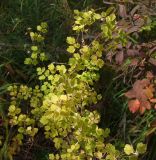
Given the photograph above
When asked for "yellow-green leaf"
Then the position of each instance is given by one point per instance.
(71, 49)
(128, 149)
(71, 40)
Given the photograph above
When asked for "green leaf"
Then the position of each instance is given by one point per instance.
(99, 53)
(99, 131)
(58, 142)
(141, 148)
(12, 108)
(39, 28)
(97, 16)
(42, 77)
(34, 48)
(51, 67)
(112, 17)
(128, 149)
(77, 56)
(85, 49)
(34, 55)
(71, 40)
(100, 63)
(61, 68)
(134, 157)
(28, 61)
(51, 157)
(44, 120)
(110, 10)
(105, 30)
(21, 130)
(75, 28)
(71, 49)
(44, 25)
(106, 132)
(110, 157)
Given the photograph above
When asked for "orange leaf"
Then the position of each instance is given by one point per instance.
(134, 105)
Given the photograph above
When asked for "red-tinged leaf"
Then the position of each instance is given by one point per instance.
(119, 57)
(144, 83)
(137, 85)
(134, 105)
(149, 75)
(145, 104)
(136, 17)
(142, 110)
(130, 94)
(155, 106)
(153, 100)
(138, 88)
